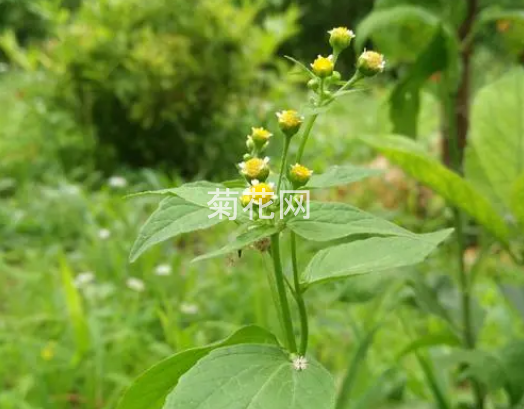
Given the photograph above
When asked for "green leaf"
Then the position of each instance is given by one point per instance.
(354, 368)
(257, 232)
(174, 216)
(75, 310)
(150, 390)
(405, 98)
(418, 164)
(483, 366)
(380, 20)
(252, 377)
(517, 200)
(331, 221)
(429, 341)
(512, 360)
(340, 175)
(194, 192)
(371, 255)
(497, 136)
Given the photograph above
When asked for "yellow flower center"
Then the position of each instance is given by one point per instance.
(341, 34)
(260, 192)
(289, 119)
(323, 66)
(374, 60)
(260, 134)
(300, 171)
(254, 167)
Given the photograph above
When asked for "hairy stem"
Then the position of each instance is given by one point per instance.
(281, 289)
(305, 136)
(283, 161)
(304, 325)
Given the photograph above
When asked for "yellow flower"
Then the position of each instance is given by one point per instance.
(371, 63)
(299, 175)
(323, 66)
(255, 168)
(260, 135)
(289, 121)
(340, 38)
(263, 192)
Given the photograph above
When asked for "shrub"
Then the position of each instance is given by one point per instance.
(156, 79)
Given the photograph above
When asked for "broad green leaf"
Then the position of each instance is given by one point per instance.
(483, 366)
(512, 360)
(199, 193)
(517, 200)
(497, 136)
(252, 377)
(405, 97)
(149, 391)
(331, 221)
(497, 13)
(174, 216)
(401, 32)
(257, 232)
(339, 175)
(417, 163)
(370, 256)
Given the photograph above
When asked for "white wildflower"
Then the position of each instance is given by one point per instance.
(135, 284)
(104, 234)
(82, 279)
(163, 270)
(189, 309)
(117, 182)
(300, 363)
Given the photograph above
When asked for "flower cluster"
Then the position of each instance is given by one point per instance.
(255, 167)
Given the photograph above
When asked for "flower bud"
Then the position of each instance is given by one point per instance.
(340, 38)
(323, 66)
(370, 63)
(289, 122)
(259, 137)
(336, 76)
(299, 175)
(255, 168)
(313, 84)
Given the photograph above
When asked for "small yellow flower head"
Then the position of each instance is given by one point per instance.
(323, 66)
(258, 192)
(255, 168)
(289, 122)
(370, 63)
(259, 137)
(340, 38)
(299, 175)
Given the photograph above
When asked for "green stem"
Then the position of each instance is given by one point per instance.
(283, 161)
(281, 289)
(305, 136)
(304, 325)
(468, 335)
(352, 81)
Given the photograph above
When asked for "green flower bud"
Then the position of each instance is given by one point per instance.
(289, 122)
(299, 175)
(255, 169)
(313, 84)
(340, 38)
(370, 63)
